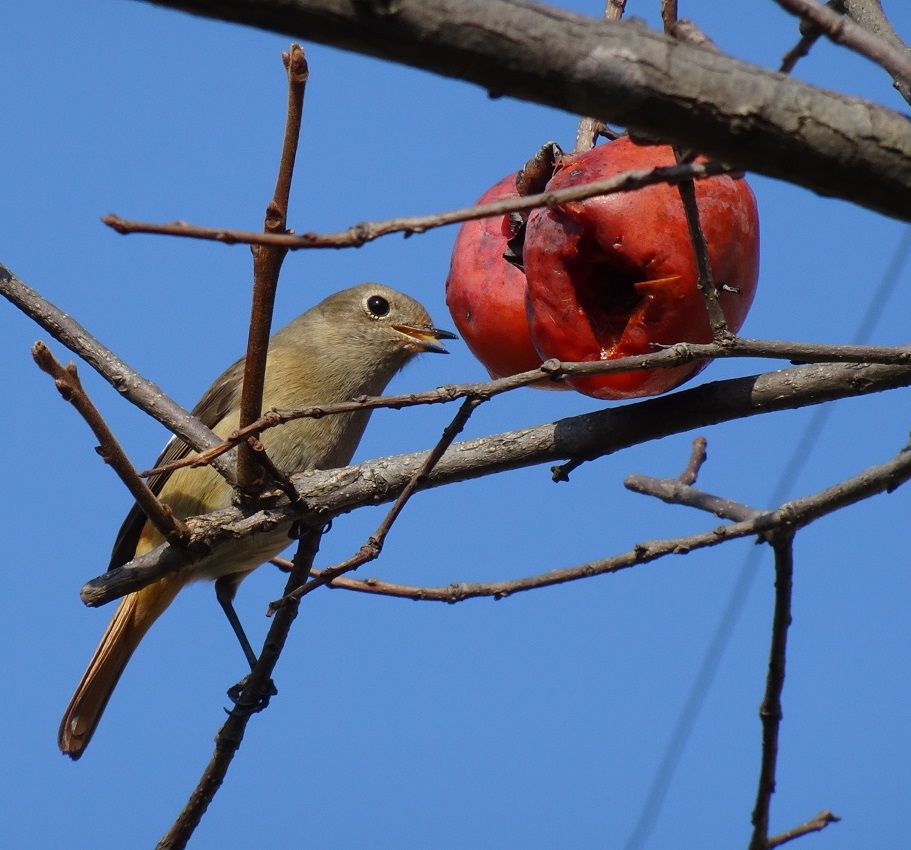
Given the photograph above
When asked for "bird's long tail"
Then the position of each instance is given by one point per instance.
(131, 621)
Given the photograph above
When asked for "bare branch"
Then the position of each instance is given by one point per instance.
(843, 30)
(781, 539)
(790, 516)
(252, 460)
(817, 824)
(70, 387)
(557, 370)
(698, 457)
(129, 383)
(150, 398)
(809, 35)
(729, 110)
(267, 263)
(782, 543)
(799, 50)
(281, 479)
(257, 684)
(675, 492)
(704, 278)
(367, 231)
(614, 9)
(590, 128)
(687, 31)
(869, 14)
(668, 14)
(374, 545)
(333, 492)
(687, 190)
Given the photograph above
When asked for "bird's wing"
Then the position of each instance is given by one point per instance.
(215, 404)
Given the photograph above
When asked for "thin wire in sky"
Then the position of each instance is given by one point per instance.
(711, 661)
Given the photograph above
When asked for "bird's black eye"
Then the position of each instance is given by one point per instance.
(378, 306)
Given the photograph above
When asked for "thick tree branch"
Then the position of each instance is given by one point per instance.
(785, 520)
(556, 370)
(333, 492)
(730, 110)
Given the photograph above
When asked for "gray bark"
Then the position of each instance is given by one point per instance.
(624, 73)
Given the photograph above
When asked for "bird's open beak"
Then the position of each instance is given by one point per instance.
(426, 338)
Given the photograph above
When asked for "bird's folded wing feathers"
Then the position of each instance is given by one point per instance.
(217, 402)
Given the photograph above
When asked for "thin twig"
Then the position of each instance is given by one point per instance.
(782, 543)
(698, 457)
(781, 540)
(668, 14)
(687, 713)
(869, 14)
(252, 460)
(704, 281)
(70, 387)
(557, 370)
(675, 492)
(590, 128)
(360, 234)
(613, 10)
(687, 190)
(809, 35)
(842, 30)
(255, 687)
(642, 553)
(587, 133)
(129, 383)
(281, 478)
(267, 263)
(799, 50)
(817, 824)
(374, 545)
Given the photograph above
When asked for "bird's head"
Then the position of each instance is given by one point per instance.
(380, 322)
(371, 330)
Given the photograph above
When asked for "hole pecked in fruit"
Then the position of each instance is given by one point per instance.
(606, 292)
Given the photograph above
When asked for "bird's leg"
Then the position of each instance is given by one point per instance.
(225, 589)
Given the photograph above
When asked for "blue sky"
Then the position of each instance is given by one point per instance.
(534, 722)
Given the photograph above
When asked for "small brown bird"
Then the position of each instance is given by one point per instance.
(350, 344)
